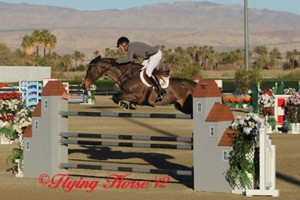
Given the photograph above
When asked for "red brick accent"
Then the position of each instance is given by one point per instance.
(28, 131)
(207, 88)
(227, 137)
(37, 111)
(54, 88)
(219, 112)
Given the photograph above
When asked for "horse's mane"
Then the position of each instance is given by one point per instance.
(95, 60)
(113, 62)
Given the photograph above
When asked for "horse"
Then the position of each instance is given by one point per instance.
(133, 90)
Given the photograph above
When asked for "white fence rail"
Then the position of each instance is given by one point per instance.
(267, 167)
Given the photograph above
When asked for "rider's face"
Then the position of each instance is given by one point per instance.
(123, 47)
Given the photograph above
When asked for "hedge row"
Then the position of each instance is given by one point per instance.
(229, 86)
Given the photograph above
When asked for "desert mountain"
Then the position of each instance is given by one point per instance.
(178, 24)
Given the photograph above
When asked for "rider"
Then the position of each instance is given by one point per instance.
(151, 56)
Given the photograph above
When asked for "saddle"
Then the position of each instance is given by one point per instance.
(163, 76)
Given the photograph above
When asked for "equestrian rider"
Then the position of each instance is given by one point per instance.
(151, 56)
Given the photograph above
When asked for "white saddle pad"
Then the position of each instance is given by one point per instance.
(164, 81)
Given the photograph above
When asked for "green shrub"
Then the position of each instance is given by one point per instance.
(243, 79)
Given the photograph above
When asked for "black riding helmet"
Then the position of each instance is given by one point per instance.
(122, 40)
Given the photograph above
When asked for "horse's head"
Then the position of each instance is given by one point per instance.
(97, 68)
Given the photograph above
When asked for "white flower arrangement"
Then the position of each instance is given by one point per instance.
(93, 87)
(289, 91)
(266, 98)
(14, 116)
(248, 125)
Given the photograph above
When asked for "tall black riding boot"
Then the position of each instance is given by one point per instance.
(159, 90)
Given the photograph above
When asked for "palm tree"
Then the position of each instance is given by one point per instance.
(78, 57)
(261, 59)
(66, 62)
(261, 51)
(52, 41)
(27, 44)
(275, 56)
(48, 40)
(192, 51)
(291, 56)
(205, 53)
(37, 40)
(44, 35)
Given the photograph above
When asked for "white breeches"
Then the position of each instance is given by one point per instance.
(152, 63)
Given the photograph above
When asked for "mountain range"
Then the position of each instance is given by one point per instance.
(177, 24)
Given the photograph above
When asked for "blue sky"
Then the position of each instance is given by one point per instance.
(281, 5)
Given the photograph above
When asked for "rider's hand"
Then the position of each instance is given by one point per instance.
(114, 62)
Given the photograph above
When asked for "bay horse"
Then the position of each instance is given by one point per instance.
(133, 90)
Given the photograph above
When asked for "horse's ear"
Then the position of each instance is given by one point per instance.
(95, 60)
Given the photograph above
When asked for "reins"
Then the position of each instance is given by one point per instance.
(125, 72)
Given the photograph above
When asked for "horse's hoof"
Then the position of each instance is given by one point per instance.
(124, 105)
(132, 108)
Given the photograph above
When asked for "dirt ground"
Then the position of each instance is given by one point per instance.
(178, 187)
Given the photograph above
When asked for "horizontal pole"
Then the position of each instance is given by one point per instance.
(125, 137)
(126, 169)
(127, 144)
(127, 115)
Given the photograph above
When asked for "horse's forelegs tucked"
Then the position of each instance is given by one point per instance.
(128, 97)
(118, 99)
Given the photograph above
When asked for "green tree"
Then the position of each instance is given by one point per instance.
(188, 71)
(231, 59)
(110, 53)
(292, 58)
(78, 57)
(37, 40)
(7, 57)
(275, 56)
(243, 79)
(193, 52)
(27, 44)
(205, 53)
(49, 41)
(66, 62)
(261, 57)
